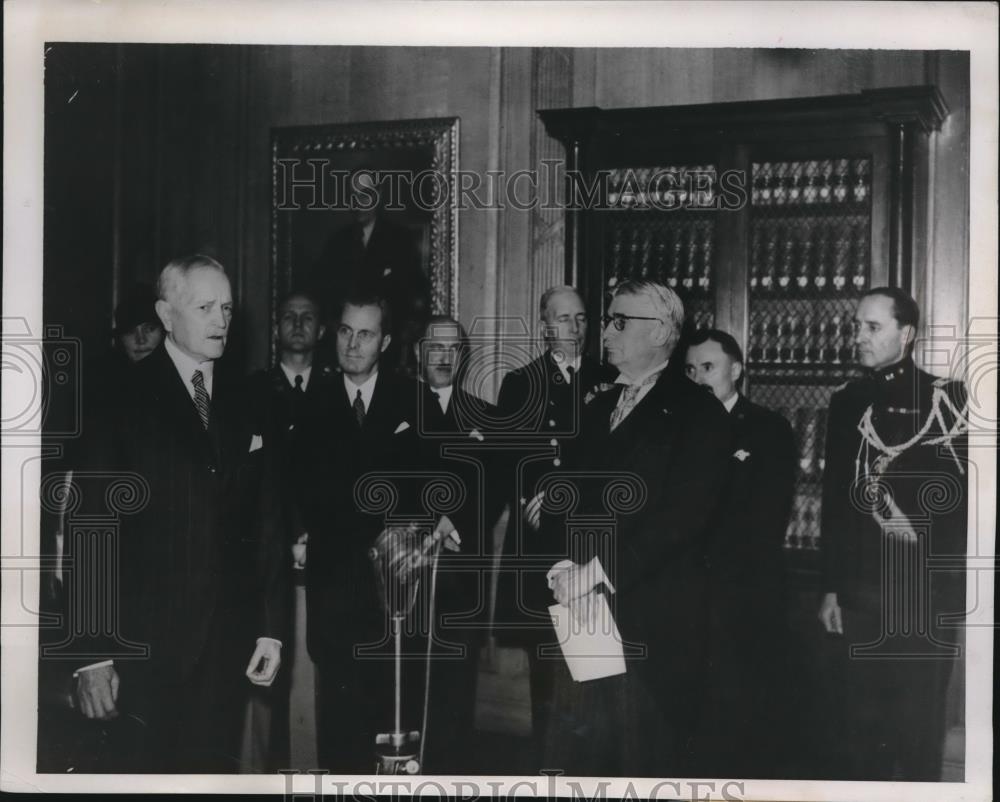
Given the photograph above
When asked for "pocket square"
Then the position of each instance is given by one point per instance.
(741, 455)
(402, 427)
(256, 442)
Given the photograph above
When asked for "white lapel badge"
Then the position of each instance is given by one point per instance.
(387, 272)
(742, 455)
(402, 427)
(256, 442)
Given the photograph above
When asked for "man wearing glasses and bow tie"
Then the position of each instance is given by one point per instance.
(671, 439)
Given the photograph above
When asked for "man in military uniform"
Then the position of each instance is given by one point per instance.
(894, 512)
(543, 401)
(283, 399)
(746, 572)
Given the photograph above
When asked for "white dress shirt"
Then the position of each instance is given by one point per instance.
(291, 374)
(444, 397)
(730, 402)
(367, 390)
(623, 379)
(186, 366)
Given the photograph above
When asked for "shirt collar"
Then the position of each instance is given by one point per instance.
(731, 402)
(186, 365)
(565, 364)
(291, 374)
(444, 396)
(639, 380)
(366, 231)
(367, 389)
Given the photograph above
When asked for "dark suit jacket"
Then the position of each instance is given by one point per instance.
(461, 444)
(286, 416)
(676, 443)
(745, 553)
(535, 402)
(344, 605)
(200, 556)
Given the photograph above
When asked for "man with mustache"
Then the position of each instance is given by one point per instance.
(456, 441)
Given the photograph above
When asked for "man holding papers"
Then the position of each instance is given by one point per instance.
(641, 489)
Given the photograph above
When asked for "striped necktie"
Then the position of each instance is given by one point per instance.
(201, 397)
(629, 398)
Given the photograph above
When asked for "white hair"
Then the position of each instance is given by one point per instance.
(172, 276)
(664, 300)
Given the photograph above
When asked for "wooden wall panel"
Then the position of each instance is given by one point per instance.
(195, 122)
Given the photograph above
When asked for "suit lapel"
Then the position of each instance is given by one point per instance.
(652, 413)
(171, 394)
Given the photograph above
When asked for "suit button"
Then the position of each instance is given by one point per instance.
(211, 469)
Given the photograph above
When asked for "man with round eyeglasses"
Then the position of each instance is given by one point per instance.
(670, 440)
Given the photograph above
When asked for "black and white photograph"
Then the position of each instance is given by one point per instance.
(400, 391)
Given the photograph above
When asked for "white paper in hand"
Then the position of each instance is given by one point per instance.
(592, 651)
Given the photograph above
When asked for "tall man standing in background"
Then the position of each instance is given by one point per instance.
(201, 566)
(746, 573)
(285, 399)
(894, 502)
(368, 424)
(543, 401)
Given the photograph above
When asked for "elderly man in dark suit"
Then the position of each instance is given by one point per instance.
(746, 571)
(201, 580)
(540, 405)
(668, 441)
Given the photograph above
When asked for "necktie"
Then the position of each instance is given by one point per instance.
(440, 402)
(570, 374)
(200, 397)
(298, 384)
(629, 398)
(359, 409)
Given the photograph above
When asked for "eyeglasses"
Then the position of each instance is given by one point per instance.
(620, 321)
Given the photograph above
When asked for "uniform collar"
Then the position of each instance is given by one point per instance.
(895, 373)
(894, 384)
